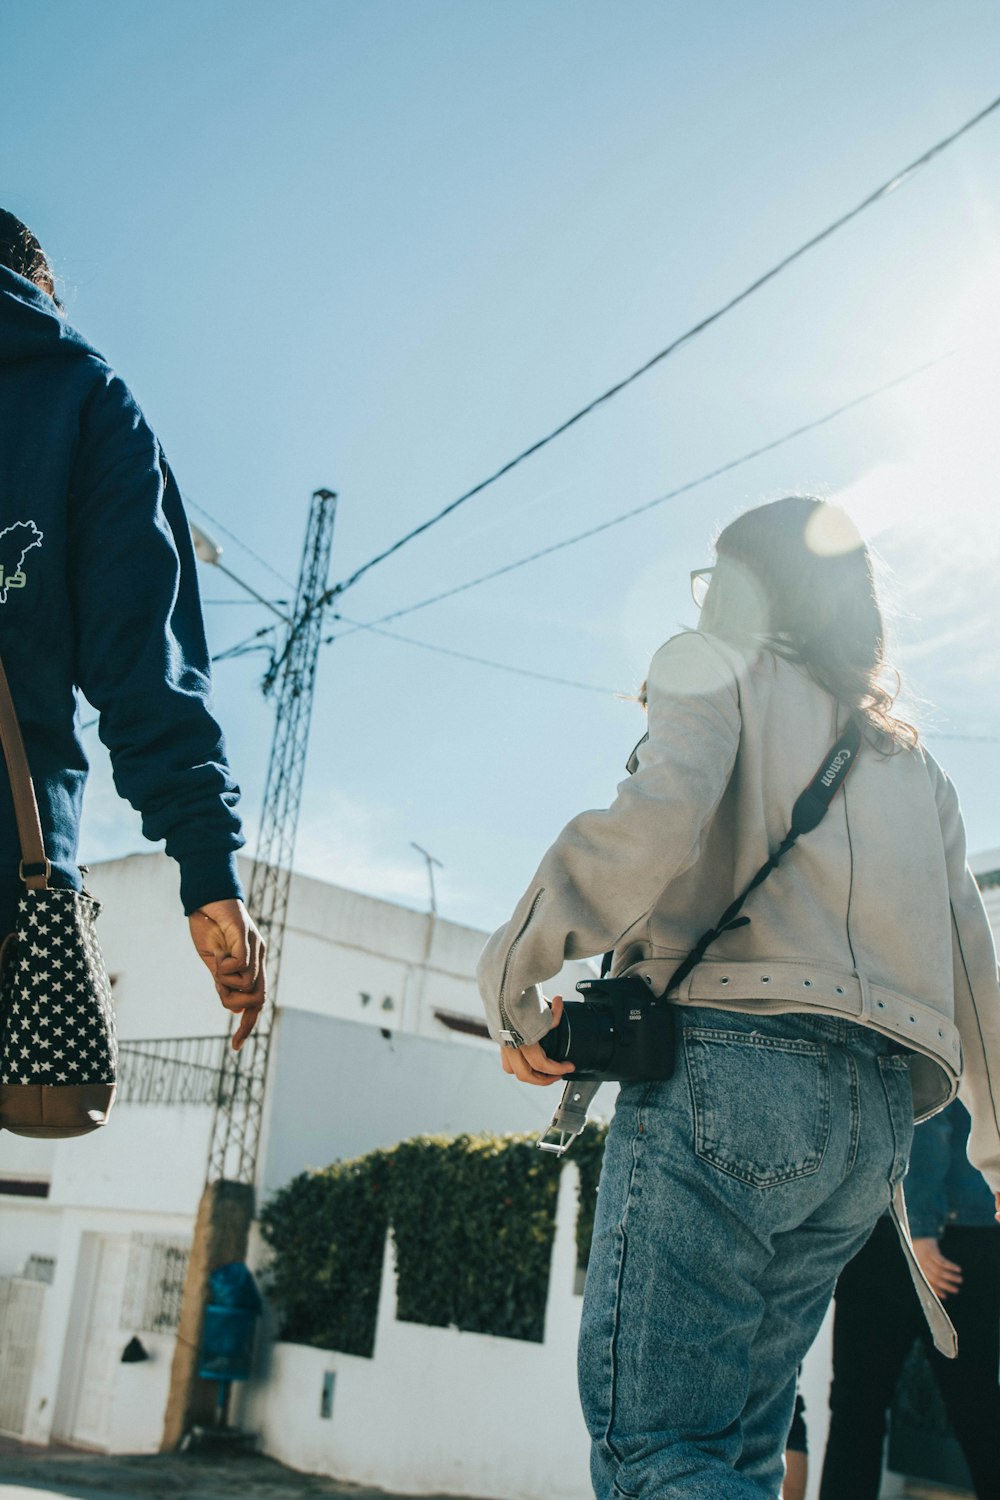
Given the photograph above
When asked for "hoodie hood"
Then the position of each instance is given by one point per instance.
(30, 325)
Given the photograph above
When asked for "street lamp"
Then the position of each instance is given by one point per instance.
(207, 550)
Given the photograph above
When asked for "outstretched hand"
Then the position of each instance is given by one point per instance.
(531, 1064)
(232, 949)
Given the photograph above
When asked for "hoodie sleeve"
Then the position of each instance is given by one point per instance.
(142, 658)
(606, 868)
(976, 986)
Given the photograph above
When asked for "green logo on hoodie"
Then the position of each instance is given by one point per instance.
(15, 543)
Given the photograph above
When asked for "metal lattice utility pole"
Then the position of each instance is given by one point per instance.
(291, 679)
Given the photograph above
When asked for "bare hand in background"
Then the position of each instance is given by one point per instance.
(944, 1275)
(232, 949)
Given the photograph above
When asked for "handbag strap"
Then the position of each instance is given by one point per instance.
(35, 868)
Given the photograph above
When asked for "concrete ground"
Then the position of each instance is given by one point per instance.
(58, 1473)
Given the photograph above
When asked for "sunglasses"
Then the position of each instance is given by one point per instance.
(700, 580)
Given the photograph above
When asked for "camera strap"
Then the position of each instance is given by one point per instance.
(810, 809)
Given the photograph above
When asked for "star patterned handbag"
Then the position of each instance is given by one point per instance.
(57, 1027)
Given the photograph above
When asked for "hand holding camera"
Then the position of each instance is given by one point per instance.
(533, 1064)
(619, 1031)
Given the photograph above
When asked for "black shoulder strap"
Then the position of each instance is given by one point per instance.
(809, 811)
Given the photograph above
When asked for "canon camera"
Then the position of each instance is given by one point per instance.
(619, 1031)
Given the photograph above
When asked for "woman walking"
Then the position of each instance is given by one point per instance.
(734, 1191)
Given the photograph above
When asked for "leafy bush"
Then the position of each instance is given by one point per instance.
(473, 1218)
(327, 1231)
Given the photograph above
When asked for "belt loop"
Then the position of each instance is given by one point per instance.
(866, 996)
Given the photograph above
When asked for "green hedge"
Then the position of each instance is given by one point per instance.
(473, 1219)
(327, 1231)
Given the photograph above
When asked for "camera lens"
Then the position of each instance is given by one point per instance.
(585, 1037)
(555, 1042)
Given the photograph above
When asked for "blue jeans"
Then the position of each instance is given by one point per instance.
(731, 1197)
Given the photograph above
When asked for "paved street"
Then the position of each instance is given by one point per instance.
(57, 1473)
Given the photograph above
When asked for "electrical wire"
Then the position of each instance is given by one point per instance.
(237, 540)
(571, 682)
(245, 603)
(969, 739)
(673, 494)
(872, 198)
(248, 645)
(481, 661)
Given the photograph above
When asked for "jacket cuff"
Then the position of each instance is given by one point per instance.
(209, 875)
(922, 1228)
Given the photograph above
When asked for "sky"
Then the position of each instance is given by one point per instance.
(383, 246)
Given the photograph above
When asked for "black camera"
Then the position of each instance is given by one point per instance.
(619, 1031)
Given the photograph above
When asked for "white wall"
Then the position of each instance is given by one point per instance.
(149, 1158)
(23, 1157)
(28, 1226)
(161, 988)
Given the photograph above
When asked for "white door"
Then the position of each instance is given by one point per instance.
(20, 1316)
(102, 1347)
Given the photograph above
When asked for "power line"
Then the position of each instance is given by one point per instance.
(249, 644)
(244, 603)
(673, 494)
(969, 739)
(588, 687)
(237, 540)
(872, 198)
(255, 643)
(481, 661)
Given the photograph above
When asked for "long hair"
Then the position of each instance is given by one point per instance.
(796, 576)
(21, 252)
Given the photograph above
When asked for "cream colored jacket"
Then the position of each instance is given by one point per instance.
(873, 916)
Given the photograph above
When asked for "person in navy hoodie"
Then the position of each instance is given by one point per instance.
(878, 1318)
(98, 593)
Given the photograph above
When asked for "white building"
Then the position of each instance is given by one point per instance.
(380, 1037)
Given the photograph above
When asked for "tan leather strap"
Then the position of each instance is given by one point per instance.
(35, 867)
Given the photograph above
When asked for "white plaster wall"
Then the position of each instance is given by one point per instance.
(162, 988)
(22, 1156)
(28, 1226)
(436, 1410)
(149, 1158)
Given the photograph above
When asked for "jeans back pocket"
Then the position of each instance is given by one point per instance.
(761, 1104)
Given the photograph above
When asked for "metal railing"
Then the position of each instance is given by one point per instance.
(175, 1070)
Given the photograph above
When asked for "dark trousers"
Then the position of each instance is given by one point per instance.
(877, 1321)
